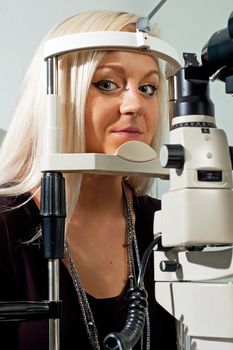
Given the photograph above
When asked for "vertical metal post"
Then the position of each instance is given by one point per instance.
(53, 264)
(52, 76)
(53, 205)
(53, 213)
(54, 283)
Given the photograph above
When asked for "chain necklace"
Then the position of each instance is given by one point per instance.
(133, 250)
(133, 254)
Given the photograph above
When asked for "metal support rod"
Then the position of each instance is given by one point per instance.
(156, 9)
(53, 217)
(53, 213)
(143, 23)
(52, 75)
(54, 295)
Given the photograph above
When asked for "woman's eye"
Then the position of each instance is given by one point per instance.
(106, 85)
(148, 89)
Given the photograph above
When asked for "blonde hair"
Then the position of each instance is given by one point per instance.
(22, 148)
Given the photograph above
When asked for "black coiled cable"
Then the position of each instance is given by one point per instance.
(131, 333)
(134, 324)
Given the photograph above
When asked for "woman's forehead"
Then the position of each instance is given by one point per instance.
(127, 57)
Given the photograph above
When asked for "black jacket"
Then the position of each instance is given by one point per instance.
(24, 276)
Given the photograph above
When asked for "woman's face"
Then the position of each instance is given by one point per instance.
(122, 102)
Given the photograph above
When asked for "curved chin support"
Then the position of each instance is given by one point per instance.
(136, 151)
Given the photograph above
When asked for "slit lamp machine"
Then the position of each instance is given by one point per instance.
(193, 264)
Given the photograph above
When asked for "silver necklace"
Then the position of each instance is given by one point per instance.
(133, 254)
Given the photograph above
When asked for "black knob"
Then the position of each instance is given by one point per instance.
(172, 156)
(169, 265)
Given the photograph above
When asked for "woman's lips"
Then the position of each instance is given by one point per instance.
(129, 132)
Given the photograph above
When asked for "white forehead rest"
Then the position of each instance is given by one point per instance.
(112, 40)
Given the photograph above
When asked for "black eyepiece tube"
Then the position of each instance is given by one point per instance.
(131, 333)
(193, 95)
(53, 214)
(218, 52)
(230, 25)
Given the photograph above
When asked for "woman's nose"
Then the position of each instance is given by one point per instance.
(132, 102)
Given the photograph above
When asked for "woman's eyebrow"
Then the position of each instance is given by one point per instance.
(152, 72)
(111, 66)
(121, 69)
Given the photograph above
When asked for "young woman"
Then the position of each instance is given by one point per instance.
(107, 99)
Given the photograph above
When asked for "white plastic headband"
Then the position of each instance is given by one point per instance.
(112, 40)
(53, 159)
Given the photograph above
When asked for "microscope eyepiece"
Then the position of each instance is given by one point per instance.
(230, 25)
(218, 52)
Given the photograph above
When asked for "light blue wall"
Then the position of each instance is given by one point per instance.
(186, 24)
